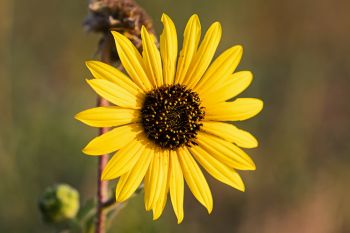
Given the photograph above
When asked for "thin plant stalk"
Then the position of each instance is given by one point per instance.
(102, 18)
(102, 185)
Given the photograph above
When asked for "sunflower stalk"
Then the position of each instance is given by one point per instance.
(126, 17)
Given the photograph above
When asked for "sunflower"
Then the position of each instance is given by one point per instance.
(172, 114)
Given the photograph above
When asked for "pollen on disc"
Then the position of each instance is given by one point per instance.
(171, 116)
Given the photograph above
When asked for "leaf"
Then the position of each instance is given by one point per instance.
(89, 208)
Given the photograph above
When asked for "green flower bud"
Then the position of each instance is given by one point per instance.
(59, 203)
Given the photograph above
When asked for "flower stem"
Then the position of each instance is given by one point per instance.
(102, 186)
(104, 16)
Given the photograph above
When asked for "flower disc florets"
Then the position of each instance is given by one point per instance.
(171, 116)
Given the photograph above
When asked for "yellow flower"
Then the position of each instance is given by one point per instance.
(172, 113)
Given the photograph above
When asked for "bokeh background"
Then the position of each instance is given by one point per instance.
(299, 52)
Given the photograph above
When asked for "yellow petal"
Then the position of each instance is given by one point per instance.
(115, 94)
(130, 181)
(217, 169)
(151, 58)
(238, 110)
(230, 133)
(204, 55)
(101, 70)
(112, 140)
(108, 116)
(176, 185)
(192, 36)
(220, 69)
(124, 159)
(159, 204)
(157, 177)
(195, 179)
(168, 49)
(234, 85)
(132, 61)
(225, 152)
(146, 183)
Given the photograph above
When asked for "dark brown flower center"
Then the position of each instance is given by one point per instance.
(171, 116)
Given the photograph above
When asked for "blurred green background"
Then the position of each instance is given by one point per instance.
(299, 53)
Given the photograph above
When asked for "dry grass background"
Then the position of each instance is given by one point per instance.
(299, 53)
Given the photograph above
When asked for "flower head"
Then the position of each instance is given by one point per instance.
(172, 113)
(59, 203)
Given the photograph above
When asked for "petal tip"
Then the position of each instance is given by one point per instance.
(77, 116)
(236, 50)
(250, 77)
(85, 150)
(239, 48)
(252, 166)
(260, 105)
(253, 142)
(147, 207)
(88, 81)
(250, 73)
(164, 17)
(217, 25)
(115, 33)
(180, 219)
(210, 209)
(194, 16)
(143, 29)
(119, 197)
(156, 215)
(105, 176)
(88, 63)
(247, 75)
(80, 117)
(256, 143)
(241, 187)
(117, 37)
(194, 19)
